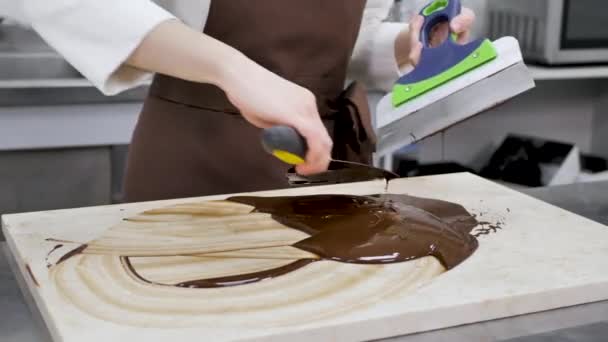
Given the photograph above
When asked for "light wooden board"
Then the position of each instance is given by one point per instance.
(543, 258)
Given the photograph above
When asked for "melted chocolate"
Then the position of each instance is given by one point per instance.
(376, 229)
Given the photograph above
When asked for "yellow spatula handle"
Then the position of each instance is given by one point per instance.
(285, 143)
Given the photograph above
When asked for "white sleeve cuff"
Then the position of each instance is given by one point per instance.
(383, 68)
(97, 37)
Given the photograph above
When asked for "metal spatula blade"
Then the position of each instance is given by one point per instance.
(340, 172)
(289, 146)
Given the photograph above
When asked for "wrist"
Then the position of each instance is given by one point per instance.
(229, 67)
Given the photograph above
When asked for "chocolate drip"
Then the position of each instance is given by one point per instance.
(243, 279)
(126, 263)
(29, 271)
(54, 249)
(71, 254)
(240, 279)
(48, 255)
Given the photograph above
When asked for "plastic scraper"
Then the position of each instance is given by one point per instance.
(451, 83)
(289, 146)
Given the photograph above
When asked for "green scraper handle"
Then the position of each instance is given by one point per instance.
(285, 143)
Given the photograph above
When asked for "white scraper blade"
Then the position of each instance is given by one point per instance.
(476, 91)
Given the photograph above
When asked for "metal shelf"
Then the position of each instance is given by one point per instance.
(542, 73)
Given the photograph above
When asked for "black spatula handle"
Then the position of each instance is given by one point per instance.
(285, 143)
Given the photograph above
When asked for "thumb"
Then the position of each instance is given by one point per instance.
(415, 28)
(415, 44)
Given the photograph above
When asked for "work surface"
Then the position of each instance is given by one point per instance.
(509, 275)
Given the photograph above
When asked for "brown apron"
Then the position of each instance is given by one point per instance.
(191, 141)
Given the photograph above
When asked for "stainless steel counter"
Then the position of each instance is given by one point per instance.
(17, 323)
(583, 323)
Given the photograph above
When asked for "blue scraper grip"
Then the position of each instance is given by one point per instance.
(440, 64)
(435, 13)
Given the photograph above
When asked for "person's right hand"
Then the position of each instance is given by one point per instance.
(266, 99)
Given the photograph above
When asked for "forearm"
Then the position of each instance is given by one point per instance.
(262, 97)
(175, 49)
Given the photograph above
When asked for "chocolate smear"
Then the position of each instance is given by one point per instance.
(375, 229)
(71, 254)
(31, 274)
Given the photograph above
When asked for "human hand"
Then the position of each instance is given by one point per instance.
(408, 46)
(263, 98)
(266, 100)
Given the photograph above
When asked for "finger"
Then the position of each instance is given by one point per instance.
(439, 33)
(319, 147)
(415, 52)
(415, 45)
(319, 154)
(464, 38)
(415, 28)
(463, 22)
(316, 162)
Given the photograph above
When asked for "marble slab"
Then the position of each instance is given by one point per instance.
(541, 258)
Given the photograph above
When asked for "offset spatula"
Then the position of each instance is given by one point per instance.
(289, 146)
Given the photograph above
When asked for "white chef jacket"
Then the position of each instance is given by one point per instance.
(98, 36)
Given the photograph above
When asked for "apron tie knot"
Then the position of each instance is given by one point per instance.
(354, 137)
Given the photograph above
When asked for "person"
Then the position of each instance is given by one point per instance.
(255, 64)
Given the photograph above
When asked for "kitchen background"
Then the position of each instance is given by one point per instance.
(63, 144)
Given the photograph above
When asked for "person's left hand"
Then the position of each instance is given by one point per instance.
(408, 46)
